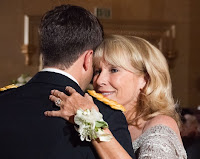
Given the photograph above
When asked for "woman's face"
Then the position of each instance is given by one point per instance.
(117, 83)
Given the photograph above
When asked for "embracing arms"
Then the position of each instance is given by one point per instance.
(68, 108)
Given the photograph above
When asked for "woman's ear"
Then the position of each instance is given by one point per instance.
(142, 82)
(87, 64)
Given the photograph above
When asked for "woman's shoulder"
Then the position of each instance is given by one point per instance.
(163, 120)
(159, 141)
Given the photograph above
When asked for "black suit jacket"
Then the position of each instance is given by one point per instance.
(27, 134)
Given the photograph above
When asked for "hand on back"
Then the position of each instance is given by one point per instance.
(69, 104)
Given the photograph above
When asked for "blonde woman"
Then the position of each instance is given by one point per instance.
(134, 73)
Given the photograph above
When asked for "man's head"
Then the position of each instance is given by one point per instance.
(65, 33)
(68, 36)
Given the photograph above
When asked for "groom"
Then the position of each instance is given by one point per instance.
(68, 36)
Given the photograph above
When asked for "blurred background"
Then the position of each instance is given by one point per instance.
(181, 18)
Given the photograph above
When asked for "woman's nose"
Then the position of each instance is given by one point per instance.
(102, 79)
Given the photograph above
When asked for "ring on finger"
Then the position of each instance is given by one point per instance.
(58, 102)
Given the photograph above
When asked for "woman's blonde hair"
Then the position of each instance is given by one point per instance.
(142, 58)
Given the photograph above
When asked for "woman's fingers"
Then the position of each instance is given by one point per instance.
(70, 90)
(55, 92)
(58, 94)
(88, 97)
(58, 102)
(53, 98)
(52, 113)
(69, 104)
(59, 113)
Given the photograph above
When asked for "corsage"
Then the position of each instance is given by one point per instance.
(90, 125)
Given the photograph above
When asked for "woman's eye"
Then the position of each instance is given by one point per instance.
(96, 72)
(114, 70)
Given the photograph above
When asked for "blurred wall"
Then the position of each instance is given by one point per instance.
(184, 13)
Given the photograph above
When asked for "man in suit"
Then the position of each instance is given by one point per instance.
(68, 36)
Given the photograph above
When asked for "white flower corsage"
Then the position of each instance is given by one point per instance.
(90, 125)
(23, 79)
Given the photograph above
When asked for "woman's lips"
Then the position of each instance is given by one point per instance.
(106, 93)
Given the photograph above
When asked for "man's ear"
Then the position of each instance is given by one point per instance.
(88, 59)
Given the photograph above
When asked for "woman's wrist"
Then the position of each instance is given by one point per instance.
(90, 125)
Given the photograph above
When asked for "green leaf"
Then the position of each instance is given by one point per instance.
(101, 124)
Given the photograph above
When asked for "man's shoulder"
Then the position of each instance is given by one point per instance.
(109, 112)
(103, 107)
(6, 92)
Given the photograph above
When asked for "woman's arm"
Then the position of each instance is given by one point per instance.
(68, 108)
(111, 149)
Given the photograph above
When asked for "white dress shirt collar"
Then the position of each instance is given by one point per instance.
(61, 72)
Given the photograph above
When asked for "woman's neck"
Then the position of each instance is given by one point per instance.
(130, 112)
(136, 131)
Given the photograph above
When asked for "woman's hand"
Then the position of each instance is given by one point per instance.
(69, 104)
(68, 107)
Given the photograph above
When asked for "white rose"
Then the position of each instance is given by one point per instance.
(20, 80)
(27, 79)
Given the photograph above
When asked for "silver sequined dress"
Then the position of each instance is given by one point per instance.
(159, 142)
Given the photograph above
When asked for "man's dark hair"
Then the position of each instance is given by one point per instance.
(66, 32)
